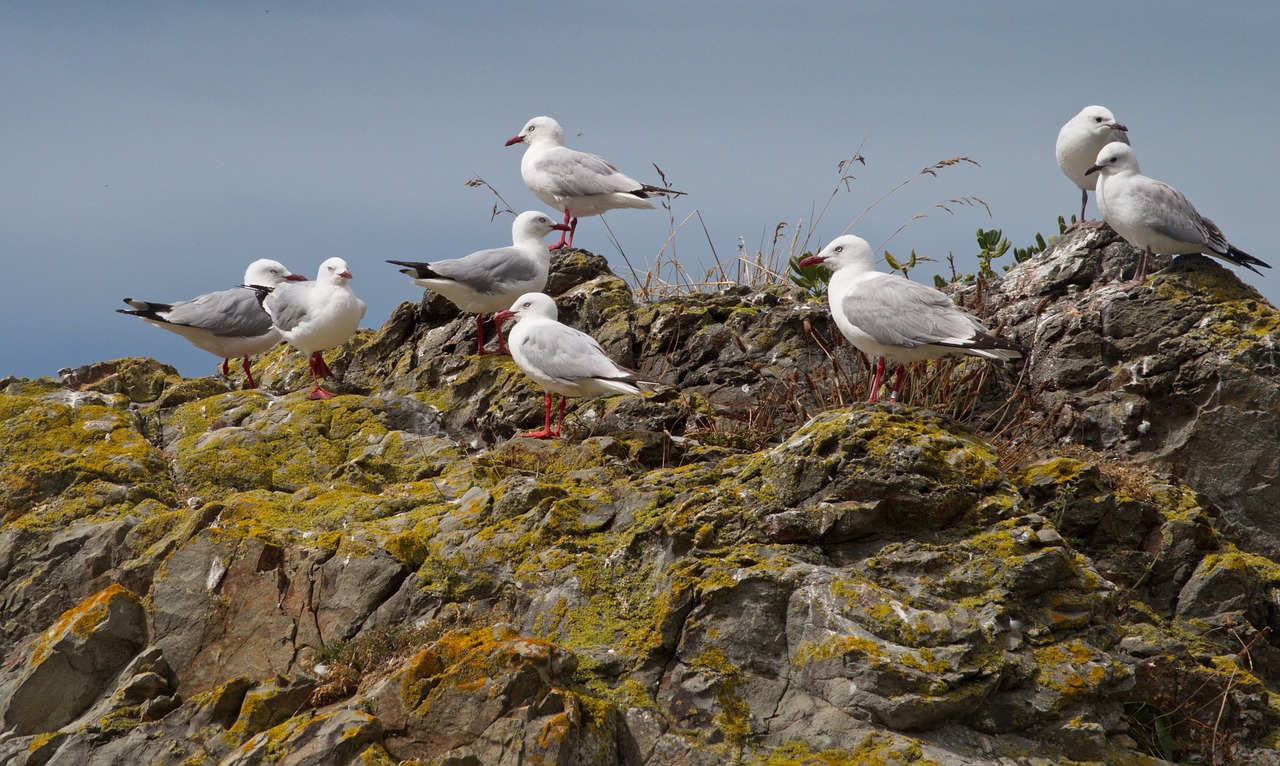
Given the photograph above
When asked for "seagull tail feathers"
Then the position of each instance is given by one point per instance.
(1241, 258)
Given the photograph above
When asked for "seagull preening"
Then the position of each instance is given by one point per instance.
(1153, 216)
(1079, 142)
(487, 281)
(563, 360)
(315, 316)
(887, 315)
(578, 183)
(229, 323)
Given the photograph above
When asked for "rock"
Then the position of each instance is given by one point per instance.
(79, 656)
(1162, 375)
(329, 739)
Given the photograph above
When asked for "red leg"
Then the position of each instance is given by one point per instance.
(563, 234)
(247, 373)
(502, 344)
(573, 226)
(546, 429)
(319, 370)
(226, 373)
(560, 425)
(318, 366)
(897, 383)
(875, 381)
(480, 334)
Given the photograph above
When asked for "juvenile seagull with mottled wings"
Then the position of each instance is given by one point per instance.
(1154, 217)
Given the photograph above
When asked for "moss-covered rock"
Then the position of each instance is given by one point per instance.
(739, 571)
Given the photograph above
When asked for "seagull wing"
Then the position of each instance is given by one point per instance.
(1172, 215)
(289, 304)
(489, 271)
(578, 174)
(898, 312)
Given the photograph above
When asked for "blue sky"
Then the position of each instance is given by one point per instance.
(152, 150)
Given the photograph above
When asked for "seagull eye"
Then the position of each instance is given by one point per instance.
(840, 249)
(1097, 119)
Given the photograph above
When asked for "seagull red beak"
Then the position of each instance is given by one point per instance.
(1118, 126)
(812, 260)
(503, 316)
(514, 140)
(560, 227)
(345, 275)
(295, 278)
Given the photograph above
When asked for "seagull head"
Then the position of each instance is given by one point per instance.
(539, 130)
(1098, 120)
(528, 306)
(1114, 158)
(269, 273)
(333, 272)
(842, 252)
(536, 224)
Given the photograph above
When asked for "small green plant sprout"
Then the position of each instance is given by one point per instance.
(903, 266)
(992, 246)
(814, 280)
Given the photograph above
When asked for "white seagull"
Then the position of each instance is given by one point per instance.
(886, 315)
(315, 316)
(229, 323)
(563, 360)
(487, 281)
(578, 183)
(1079, 142)
(1153, 216)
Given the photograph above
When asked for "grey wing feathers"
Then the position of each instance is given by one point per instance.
(287, 304)
(570, 355)
(1171, 214)
(579, 174)
(231, 313)
(906, 313)
(487, 271)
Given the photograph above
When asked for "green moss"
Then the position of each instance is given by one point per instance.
(64, 462)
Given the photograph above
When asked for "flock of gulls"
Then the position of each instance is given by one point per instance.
(884, 315)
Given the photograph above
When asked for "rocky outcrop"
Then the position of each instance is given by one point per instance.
(752, 568)
(1166, 376)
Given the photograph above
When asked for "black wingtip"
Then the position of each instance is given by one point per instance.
(644, 191)
(417, 269)
(1238, 256)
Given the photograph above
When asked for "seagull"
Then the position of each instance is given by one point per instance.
(578, 183)
(488, 281)
(886, 315)
(315, 316)
(563, 360)
(1153, 216)
(1079, 142)
(228, 323)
